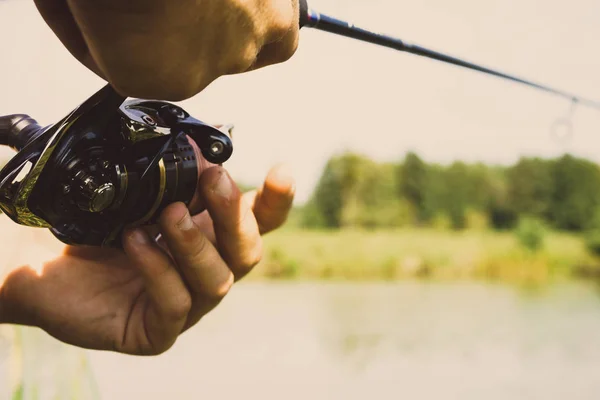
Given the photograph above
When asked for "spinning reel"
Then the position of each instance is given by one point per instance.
(110, 164)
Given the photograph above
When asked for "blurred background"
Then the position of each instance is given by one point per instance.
(445, 241)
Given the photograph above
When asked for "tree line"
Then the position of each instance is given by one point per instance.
(355, 191)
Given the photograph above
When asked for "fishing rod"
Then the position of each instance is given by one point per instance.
(114, 163)
(310, 18)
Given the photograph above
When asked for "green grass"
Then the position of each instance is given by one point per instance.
(418, 253)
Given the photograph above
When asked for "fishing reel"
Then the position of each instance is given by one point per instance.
(110, 164)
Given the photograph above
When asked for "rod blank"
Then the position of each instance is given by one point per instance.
(312, 19)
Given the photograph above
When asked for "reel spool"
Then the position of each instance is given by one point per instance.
(110, 164)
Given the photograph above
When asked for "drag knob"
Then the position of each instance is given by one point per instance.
(92, 196)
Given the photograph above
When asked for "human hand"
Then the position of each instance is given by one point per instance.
(139, 301)
(172, 50)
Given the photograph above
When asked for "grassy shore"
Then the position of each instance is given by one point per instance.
(297, 254)
(424, 254)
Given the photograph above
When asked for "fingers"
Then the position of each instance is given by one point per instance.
(277, 52)
(273, 202)
(169, 298)
(236, 229)
(283, 41)
(59, 18)
(206, 273)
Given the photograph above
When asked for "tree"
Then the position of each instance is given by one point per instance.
(338, 189)
(413, 182)
(530, 187)
(576, 193)
(456, 199)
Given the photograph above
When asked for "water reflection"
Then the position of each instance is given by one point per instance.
(357, 341)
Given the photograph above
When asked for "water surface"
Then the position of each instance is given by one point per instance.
(376, 341)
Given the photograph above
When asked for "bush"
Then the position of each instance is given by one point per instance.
(592, 242)
(531, 233)
(477, 220)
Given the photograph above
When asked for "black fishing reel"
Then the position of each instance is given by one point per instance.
(110, 164)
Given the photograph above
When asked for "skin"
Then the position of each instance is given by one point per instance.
(172, 50)
(139, 301)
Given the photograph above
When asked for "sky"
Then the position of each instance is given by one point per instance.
(338, 94)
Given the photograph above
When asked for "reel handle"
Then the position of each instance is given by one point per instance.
(17, 130)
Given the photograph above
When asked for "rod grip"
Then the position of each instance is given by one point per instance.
(304, 18)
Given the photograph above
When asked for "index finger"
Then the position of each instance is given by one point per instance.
(272, 203)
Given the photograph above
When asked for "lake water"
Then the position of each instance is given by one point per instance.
(376, 341)
(273, 341)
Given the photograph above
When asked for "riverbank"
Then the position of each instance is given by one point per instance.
(292, 253)
(420, 253)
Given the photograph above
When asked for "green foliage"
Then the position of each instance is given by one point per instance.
(576, 193)
(502, 215)
(386, 254)
(592, 242)
(338, 185)
(530, 187)
(477, 220)
(18, 394)
(355, 191)
(456, 199)
(592, 234)
(413, 179)
(530, 233)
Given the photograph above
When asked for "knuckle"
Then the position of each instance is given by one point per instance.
(251, 259)
(287, 48)
(280, 27)
(255, 255)
(248, 56)
(181, 306)
(219, 291)
(282, 19)
(254, 260)
(243, 59)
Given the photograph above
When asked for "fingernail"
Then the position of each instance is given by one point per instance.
(284, 174)
(186, 222)
(224, 186)
(140, 237)
(283, 177)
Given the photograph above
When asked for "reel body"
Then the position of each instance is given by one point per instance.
(110, 164)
